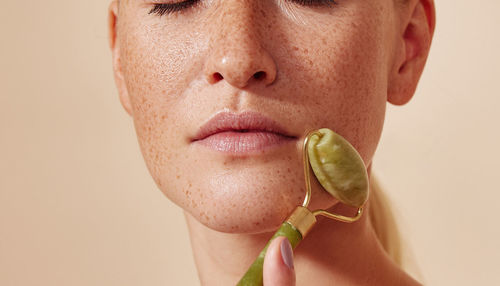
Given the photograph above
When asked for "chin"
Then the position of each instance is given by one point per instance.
(239, 195)
(252, 206)
(240, 224)
(247, 203)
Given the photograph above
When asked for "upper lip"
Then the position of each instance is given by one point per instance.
(243, 122)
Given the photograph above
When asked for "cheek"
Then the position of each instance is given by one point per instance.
(342, 78)
(364, 76)
(156, 74)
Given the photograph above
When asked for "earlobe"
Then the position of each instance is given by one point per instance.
(413, 45)
(115, 51)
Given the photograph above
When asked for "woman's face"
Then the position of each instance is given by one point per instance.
(270, 71)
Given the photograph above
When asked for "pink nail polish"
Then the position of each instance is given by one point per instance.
(287, 253)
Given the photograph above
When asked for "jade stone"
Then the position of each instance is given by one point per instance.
(338, 167)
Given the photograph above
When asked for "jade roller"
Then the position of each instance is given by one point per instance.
(341, 172)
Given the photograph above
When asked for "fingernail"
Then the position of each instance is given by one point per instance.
(287, 253)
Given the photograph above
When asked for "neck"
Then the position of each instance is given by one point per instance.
(333, 253)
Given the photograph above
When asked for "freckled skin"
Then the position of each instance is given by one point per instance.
(317, 67)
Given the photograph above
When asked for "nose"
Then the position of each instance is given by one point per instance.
(236, 52)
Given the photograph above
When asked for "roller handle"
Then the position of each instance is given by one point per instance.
(254, 274)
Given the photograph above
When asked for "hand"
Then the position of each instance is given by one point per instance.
(278, 263)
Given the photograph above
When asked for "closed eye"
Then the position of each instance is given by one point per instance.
(162, 9)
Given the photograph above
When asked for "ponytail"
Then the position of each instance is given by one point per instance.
(383, 222)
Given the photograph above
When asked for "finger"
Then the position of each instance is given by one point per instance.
(278, 263)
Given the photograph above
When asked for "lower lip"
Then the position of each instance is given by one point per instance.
(243, 142)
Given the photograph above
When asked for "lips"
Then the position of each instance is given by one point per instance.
(241, 133)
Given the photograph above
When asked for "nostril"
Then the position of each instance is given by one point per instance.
(259, 75)
(217, 77)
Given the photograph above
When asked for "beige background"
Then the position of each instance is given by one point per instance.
(77, 206)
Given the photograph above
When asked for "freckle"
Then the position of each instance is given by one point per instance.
(190, 185)
(204, 215)
(177, 176)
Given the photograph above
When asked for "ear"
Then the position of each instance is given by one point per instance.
(412, 45)
(115, 51)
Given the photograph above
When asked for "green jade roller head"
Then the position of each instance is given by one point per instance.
(338, 167)
(341, 172)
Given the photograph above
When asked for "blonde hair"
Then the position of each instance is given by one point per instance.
(383, 222)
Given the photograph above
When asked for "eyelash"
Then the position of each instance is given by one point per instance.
(162, 9)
